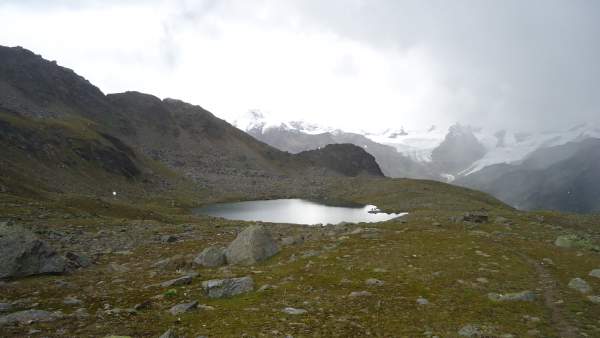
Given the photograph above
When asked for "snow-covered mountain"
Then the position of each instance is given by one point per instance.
(435, 153)
(512, 147)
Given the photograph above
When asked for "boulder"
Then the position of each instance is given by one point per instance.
(29, 316)
(211, 257)
(252, 245)
(23, 254)
(221, 288)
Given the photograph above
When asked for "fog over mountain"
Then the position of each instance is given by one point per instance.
(525, 66)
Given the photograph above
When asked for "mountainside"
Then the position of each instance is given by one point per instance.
(562, 178)
(62, 131)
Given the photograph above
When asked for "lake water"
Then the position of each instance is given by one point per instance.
(295, 211)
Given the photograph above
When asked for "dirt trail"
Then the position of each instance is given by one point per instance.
(550, 294)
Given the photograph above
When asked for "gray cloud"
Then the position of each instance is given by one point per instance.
(512, 63)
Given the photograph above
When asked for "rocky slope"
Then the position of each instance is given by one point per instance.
(63, 134)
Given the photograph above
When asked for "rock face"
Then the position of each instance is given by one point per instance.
(29, 316)
(211, 257)
(23, 254)
(221, 288)
(252, 245)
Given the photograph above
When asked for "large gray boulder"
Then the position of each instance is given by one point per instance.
(252, 245)
(211, 257)
(222, 288)
(23, 254)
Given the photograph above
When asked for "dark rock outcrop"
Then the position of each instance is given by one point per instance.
(345, 159)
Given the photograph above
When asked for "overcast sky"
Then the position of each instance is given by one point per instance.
(351, 64)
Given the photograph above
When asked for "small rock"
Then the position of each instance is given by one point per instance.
(482, 280)
(594, 299)
(580, 285)
(72, 301)
(211, 257)
(422, 301)
(293, 311)
(183, 280)
(5, 307)
(475, 217)
(526, 296)
(547, 261)
(168, 239)
(183, 307)
(170, 333)
(220, 288)
(374, 282)
(470, 330)
(143, 305)
(118, 268)
(77, 261)
(355, 294)
(595, 273)
(29, 316)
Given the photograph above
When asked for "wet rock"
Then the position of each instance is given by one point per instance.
(580, 285)
(293, 311)
(526, 296)
(211, 257)
(252, 245)
(29, 316)
(182, 308)
(23, 254)
(222, 288)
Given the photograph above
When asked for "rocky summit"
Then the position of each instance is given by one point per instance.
(101, 233)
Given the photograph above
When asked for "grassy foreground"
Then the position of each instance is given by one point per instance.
(437, 270)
